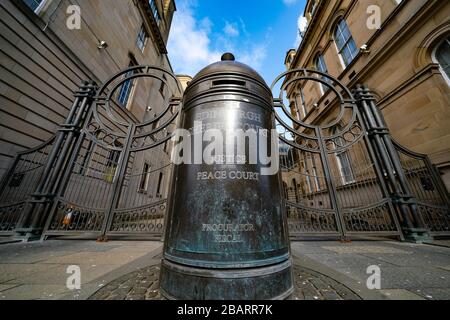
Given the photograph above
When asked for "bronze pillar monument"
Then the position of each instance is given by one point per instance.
(227, 235)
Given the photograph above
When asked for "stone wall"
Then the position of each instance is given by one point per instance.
(411, 91)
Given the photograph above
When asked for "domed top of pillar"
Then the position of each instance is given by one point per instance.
(229, 65)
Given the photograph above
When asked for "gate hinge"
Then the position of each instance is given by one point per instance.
(42, 198)
(68, 128)
(403, 199)
(378, 131)
(87, 90)
(277, 103)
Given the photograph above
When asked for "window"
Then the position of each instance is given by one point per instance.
(142, 38)
(344, 161)
(442, 57)
(345, 44)
(322, 67)
(143, 185)
(316, 179)
(345, 167)
(87, 158)
(125, 89)
(300, 105)
(111, 165)
(162, 86)
(166, 146)
(313, 7)
(155, 12)
(285, 189)
(160, 180)
(294, 184)
(35, 5)
(308, 181)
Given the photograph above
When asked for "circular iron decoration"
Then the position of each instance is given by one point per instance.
(105, 109)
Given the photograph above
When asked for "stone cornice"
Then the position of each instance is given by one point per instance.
(152, 25)
(399, 37)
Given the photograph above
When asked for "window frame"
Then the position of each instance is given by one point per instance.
(141, 42)
(145, 177)
(339, 162)
(316, 179)
(344, 177)
(308, 181)
(320, 58)
(300, 107)
(295, 189)
(346, 43)
(162, 86)
(154, 8)
(159, 187)
(112, 163)
(131, 86)
(436, 60)
(39, 7)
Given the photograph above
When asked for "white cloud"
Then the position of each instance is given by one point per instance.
(192, 44)
(302, 24)
(189, 43)
(206, 25)
(231, 29)
(289, 2)
(255, 57)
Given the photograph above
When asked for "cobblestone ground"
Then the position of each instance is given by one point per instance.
(144, 285)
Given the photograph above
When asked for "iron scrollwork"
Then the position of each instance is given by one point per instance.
(146, 219)
(10, 215)
(70, 217)
(374, 219)
(303, 220)
(332, 185)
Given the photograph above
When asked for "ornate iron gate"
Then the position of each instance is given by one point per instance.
(427, 189)
(341, 174)
(332, 185)
(107, 173)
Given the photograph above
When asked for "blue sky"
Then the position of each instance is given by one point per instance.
(258, 32)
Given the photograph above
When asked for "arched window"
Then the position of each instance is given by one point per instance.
(442, 56)
(345, 44)
(322, 67)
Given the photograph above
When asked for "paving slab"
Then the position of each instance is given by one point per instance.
(57, 274)
(414, 270)
(39, 270)
(434, 293)
(4, 287)
(33, 292)
(401, 294)
(329, 270)
(11, 271)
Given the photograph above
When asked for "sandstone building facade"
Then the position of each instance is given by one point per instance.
(49, 48)
(405, 62)
(44, 62)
